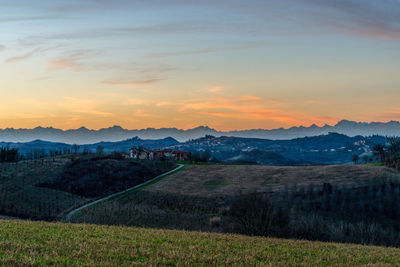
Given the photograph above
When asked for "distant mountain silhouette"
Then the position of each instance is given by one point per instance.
(116, 133)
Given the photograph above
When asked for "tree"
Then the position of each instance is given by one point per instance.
(355, 159)
(75, 148)
(9, 154)
(379, 150)
(205, 157)
(99, 150)
(195, 157)
(393, 159)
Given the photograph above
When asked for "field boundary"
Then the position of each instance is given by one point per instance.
(119, 194)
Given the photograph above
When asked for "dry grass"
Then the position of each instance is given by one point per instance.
(41, 244)
(220, 180)
(7, 218)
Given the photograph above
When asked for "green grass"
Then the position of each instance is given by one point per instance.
(41, 243)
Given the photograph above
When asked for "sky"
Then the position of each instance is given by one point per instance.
(227, 64)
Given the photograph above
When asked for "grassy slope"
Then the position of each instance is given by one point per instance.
(222, 180)
(40, 243)
(21, 198)
(193, 197)
(20, 195)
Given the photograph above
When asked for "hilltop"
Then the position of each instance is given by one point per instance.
(41, 243)
(332, 148)
(46, 147)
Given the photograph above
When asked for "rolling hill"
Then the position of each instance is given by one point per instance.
(349, 204)
(121, 146)
(331, 148)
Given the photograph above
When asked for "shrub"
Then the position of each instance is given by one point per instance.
(255, 214)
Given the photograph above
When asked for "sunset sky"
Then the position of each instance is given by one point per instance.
(228, 64)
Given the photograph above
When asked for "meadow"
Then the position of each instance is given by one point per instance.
(25, 243)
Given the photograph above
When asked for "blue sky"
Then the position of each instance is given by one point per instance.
(227, 64)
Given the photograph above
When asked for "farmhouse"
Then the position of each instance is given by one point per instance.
(140, 153)
(162, 154)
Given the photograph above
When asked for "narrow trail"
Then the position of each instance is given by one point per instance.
(73, 212)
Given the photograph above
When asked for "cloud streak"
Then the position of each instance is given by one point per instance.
(249, 107)
(71, 60)
(27, 18)
(373, 19)
(83, 106)
(23, 56)
(130, 83)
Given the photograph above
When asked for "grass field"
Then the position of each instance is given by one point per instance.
(40, 243)
(222, 180)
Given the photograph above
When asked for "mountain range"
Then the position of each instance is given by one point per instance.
(116, 133)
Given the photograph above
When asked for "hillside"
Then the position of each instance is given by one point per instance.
(45, 148)
(349, 204)
(46, 189)
(228, 180)
(41, 243)
(331, 148)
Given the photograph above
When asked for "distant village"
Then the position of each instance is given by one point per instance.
(160, 154)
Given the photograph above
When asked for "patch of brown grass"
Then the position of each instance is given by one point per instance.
(195, 179)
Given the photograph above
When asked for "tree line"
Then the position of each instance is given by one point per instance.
(9, 154)
(389, 153)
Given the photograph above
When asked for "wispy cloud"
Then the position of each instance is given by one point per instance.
(130, 83)
(71, 60)
(142, 113)
(26, 18)
(391, 114)
(23, 56)
(83, 106)
(206, 50)
(369, 18)
(166, 104)
(135, 102)
(250, 108)
(215, 89)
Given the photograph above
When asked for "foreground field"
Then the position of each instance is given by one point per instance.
(40, 243)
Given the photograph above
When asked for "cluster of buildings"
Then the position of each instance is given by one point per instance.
(161, 154)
